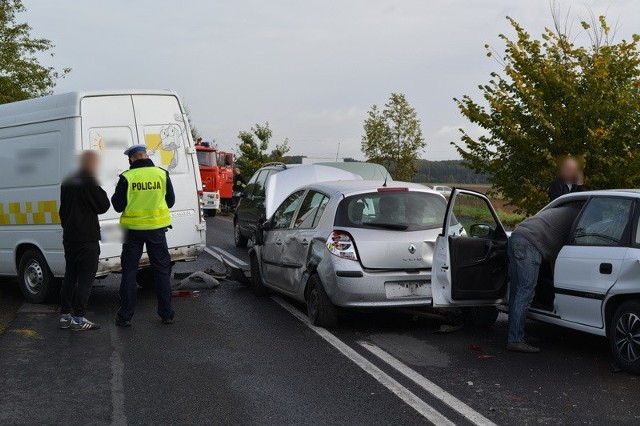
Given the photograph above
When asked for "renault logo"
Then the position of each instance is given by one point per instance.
(412, 249)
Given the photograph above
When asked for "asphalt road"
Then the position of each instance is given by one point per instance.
(233, 358)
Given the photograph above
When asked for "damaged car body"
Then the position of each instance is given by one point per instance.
(350, 244)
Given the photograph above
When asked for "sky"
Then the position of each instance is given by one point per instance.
(312, 68)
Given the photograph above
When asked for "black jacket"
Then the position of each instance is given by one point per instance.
(119, 198)
(558, 188)
(81, 201)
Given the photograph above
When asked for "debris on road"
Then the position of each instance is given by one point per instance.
(448, 328)
(198, 280)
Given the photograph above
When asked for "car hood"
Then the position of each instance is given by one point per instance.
(281, 184)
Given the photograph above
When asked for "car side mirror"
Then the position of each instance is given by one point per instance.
(480, 230)
(259, 232)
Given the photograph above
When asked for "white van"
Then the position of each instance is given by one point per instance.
(39, 144)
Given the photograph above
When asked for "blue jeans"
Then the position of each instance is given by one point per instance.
(156, 242)
(524, 264)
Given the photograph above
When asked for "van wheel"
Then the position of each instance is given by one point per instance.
(238, 238)
(256, 278)
(624, 336)
(37, 283)
(480, 316)
(144, 278)
(321, 311)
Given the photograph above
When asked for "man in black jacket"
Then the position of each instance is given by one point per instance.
(81, 201)
(570, 179)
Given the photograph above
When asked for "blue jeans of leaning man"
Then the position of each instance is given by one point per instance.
(524, 263)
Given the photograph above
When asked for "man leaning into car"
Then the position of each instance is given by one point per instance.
(537, 239)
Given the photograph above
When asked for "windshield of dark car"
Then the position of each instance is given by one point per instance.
(395, 210)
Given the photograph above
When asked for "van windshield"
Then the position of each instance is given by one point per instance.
(400, 211)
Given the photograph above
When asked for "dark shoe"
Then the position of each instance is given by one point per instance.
(65, 322)
(522, 347)
(85, 325)
(167, 320)
(123, 323)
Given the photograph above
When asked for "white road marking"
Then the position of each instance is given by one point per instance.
(408, 397)
(228, 256)
(435, 390)
(118, 414)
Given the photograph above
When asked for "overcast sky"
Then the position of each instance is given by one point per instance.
(311, 68)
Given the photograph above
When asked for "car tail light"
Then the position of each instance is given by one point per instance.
(341, 244)
(385, 189)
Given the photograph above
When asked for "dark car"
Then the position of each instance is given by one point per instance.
(251, 205)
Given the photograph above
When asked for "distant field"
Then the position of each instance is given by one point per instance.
(506, 213)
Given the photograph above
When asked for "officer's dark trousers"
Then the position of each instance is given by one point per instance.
(81, 264)
(156, 242)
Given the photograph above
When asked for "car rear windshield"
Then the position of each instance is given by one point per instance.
(394, 210)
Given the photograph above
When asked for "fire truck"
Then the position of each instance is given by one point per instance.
(216, 172)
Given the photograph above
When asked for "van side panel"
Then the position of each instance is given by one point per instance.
(34, 158)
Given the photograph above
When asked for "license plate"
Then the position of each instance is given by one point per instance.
(398, 289)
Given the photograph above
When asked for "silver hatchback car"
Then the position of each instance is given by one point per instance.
(350, 244)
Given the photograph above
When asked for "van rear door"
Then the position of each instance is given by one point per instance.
(161, 126)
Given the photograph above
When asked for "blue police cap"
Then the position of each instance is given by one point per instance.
(133, 149)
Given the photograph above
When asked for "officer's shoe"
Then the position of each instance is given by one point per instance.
(122, 323)
(167, 320)
(85, 325)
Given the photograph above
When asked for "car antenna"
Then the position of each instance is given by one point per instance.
(384, 185)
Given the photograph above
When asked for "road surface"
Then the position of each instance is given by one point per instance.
(233, 358)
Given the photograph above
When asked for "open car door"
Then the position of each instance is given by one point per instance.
(470, 266)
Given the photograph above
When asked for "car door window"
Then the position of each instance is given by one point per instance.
(311, 210)
(472, 216)
(248, 191)
(259, 190)
(604, 222)
(283, 214)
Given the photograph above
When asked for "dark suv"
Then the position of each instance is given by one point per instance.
(251, 207)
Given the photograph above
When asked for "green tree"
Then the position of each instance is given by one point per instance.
(556, 98)
(21, 74)
(253, 150)
(393, 138)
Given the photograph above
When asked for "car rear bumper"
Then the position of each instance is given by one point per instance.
(378, 289)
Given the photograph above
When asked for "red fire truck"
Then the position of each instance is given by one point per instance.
(216, 172)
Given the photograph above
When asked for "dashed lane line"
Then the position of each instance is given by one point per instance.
(408, 397)
(435, 390)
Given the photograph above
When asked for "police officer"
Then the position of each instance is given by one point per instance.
(144, 195)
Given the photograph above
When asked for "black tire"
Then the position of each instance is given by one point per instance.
(321, 311)
(144, 278)
(623, 329)
(36, 281)
(480, 316)
(256, 278)
(240, 240)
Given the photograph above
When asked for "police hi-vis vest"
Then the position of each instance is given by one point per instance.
(146, 206)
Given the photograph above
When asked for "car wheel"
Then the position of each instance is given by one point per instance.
(37, 283)
(321, 311)
(624, 336)
(256, 278)
(238, 238)
(144, 278)
(480, 316)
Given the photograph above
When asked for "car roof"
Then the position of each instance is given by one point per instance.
(577, 196)
(348, 188)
